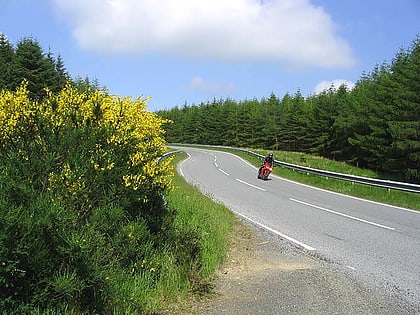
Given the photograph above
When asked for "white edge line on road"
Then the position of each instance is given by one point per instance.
(182, 163)
(291, 239)
(348, 196)
(343, 215)
(227, 174)
(253, 186)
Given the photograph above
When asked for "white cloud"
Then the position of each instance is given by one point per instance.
(287, 31)
(198, 83)
(325, 85)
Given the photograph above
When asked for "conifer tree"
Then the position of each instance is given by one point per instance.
(32, 65)
(292, 123)
(6, 62)
(404, 124)
(57, 78)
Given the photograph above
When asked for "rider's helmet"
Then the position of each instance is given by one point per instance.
(270, 154)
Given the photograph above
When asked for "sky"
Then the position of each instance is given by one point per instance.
(177, 52)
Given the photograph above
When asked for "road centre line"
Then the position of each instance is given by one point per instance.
(253, 186)
(343, 215)
(227, 174)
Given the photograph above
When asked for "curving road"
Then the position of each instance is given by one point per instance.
(378, 244)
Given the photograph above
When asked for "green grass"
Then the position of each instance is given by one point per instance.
(210, 220)
(205, 227)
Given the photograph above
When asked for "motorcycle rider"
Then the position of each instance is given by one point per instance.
(268, 159)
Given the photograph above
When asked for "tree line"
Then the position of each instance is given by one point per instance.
(375, 125)
(28, 61)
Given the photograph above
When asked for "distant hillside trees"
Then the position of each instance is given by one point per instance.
(376, 125)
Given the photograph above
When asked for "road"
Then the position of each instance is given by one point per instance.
(379, 245)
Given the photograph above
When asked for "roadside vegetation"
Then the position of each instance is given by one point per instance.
(83, 218)
(206, 228)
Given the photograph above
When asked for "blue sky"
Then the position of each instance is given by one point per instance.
(190, 51)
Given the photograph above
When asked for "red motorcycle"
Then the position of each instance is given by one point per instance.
(264, 171)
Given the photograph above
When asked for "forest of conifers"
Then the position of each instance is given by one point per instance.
(375, 125)
(42, 70)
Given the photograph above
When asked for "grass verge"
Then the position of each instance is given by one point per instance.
(206, 227)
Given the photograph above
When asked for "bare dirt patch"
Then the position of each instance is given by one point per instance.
(250, 255)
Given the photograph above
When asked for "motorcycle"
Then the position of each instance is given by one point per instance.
(264, 171)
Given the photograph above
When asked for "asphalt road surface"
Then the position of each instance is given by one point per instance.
(377, 246)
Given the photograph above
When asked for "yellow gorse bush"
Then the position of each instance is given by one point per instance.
(83, 189)
(126, 121)
(15, 109)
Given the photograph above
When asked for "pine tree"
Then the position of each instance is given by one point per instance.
(271, 110)
(325, 108)
(61, 73)
(32, 65)
(404, 124)
(229, 122)
(6, 62)
(57, 76)
(292, 124)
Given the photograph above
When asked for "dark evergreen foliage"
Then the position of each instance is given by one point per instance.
(31, 64)
(7, 56)
(42, 70)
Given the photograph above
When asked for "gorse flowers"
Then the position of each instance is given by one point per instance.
(78, 170)
(125, 126)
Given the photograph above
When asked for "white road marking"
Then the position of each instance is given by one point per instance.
(348, 196)
(343, 215)
(182, 164)
(253, 186)
(227, 174)
(291, 239)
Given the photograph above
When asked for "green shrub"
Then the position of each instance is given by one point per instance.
(81, 196)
